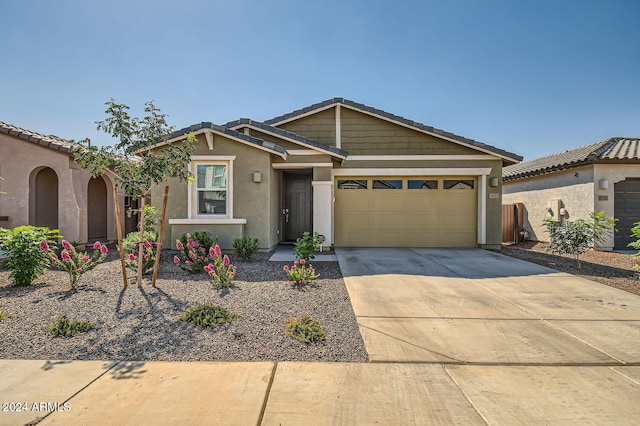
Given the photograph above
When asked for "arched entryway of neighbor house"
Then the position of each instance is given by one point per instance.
(43, 198)
(96, 209)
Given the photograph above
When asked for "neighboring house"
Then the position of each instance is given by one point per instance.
(357, 175)
(603, 176)
(45, 187)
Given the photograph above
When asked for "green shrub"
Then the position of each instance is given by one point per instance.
(576, 237)
(301, 272)
(305, 329)
(64, 327)
(151, 218)
(3, 315)
(207, 316)
(306, 247)
(635, 231)
(130, 248)
(246, 247)
(22, 252)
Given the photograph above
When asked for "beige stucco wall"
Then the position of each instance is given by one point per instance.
(251, 200)
(26, 159)
(536, 193)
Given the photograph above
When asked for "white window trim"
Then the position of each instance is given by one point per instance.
(192, 197)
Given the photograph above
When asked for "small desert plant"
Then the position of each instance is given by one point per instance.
(64, 327)
(130, 248)
(576, 237)
(305, 329)
(221, 271)
(195, 253)
(73, 262)
(22, 252)
(635, 231)
(246, 247)
(3, 315)
(207, 316)
(301, 272)
(306, 247)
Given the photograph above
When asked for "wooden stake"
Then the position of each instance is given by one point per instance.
(119, 230)
(141, 242)
(156, 266)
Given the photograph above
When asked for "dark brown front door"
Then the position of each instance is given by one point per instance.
(297, 205)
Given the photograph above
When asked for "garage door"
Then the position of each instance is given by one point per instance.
(383, 211)
(626, 210)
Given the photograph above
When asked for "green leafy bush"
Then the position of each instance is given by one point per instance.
(246, 247)
(305, 329)
(151, 218)
(576, 237)
(196, 255)
(306, 247)
(130, 248)
(64, 327)
(301, 272)
(635, 231)
(3, 315)
(22, 252)
(207, 316)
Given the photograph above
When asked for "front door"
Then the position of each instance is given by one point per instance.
(297, 208)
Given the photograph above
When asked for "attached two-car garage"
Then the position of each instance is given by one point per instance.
(416, 211)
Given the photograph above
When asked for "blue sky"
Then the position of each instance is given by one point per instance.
(533, 78)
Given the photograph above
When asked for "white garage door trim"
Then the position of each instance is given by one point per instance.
(481, 172)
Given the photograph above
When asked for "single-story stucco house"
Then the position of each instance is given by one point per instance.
(604, 176)
(357, 175)
(44, 186)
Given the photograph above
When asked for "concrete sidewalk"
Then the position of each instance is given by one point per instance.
(289, 393)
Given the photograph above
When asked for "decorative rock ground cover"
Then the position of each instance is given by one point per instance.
(142, 323)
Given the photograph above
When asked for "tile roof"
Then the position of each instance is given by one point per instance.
(222, 129)
(613, 149)
(48, 141)
(419, 126)
(289, 135)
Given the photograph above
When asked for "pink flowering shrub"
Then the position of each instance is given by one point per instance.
(73, 262)
(131, 249)
(195, 255)
(221, 271)
(301, 272)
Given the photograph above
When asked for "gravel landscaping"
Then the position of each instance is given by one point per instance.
(141, 323)
(609, 268)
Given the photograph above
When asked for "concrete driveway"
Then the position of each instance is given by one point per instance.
(523, 343)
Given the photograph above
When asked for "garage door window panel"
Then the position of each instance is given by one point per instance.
(459, 184)
(422, 184)
(352, 184)
(387, 184)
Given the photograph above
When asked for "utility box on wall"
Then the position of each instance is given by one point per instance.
(555, 207)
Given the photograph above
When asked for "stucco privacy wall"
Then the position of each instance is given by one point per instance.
(251, 200)
(28, 158)
(575, 187)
